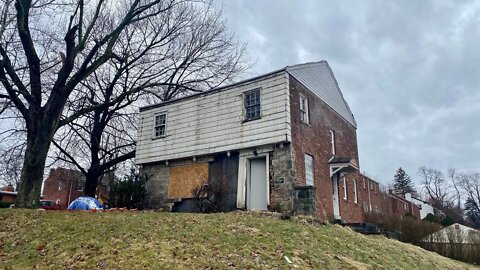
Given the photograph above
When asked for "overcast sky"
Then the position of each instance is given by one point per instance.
(410, 71)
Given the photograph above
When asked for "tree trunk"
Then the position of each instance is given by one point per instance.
(31, 179)
(92, 178)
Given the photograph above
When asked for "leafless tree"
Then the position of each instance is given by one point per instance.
(453, 176)
(470, 183)
(48, 49)
(435, 187)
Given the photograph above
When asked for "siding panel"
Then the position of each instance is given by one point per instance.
(214, 123)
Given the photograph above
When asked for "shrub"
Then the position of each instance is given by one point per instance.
(4, 204)
(411, 229)
(129, 192)
(209, 197)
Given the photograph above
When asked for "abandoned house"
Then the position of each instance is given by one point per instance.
(283, 141)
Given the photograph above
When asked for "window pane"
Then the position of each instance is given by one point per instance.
(252, 104)
(309, 170)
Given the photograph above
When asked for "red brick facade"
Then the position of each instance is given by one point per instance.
(314, 138)
(65, 185)
(8, 194)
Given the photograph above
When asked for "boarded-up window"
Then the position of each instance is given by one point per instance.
(183, 179)
(309, 170)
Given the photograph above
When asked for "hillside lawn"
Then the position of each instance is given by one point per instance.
(154, 240)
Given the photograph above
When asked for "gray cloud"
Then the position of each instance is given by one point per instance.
(408, 69)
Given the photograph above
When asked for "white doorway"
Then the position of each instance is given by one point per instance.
(257, 184)
(336, 204)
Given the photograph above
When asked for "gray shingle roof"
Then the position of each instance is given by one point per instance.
(319, 78)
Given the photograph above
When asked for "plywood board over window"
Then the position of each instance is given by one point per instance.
(183, 179)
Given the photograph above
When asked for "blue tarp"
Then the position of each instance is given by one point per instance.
(85, 203)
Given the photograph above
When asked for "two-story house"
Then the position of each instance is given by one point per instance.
(283, 141)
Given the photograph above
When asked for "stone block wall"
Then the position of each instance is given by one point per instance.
(157, 185)
(282, 179)
(305, 202)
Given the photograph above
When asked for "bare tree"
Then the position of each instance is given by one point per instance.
(435, 187)
(453, 176)
(470, 183)
(49, 48)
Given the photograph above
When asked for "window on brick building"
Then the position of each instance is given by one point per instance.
(332, 141)
(344, 184)
(364, 183)
(304, 109)
(60, 185)
(365, 207)
(80, 184)
(309, 170)
(355, 194)
(252, 104)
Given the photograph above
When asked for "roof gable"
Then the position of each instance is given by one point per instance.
(318, 78)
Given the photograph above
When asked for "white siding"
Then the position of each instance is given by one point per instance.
(213, 122)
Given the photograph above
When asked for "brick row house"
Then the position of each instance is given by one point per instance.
(65, 185)
(283, 141)
(8, 194)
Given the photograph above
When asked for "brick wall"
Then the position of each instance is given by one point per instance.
(314, 139)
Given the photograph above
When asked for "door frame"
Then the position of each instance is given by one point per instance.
(243, 166)
(335, 197)
(248, 177)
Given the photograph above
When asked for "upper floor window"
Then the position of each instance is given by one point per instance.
(61, 185)
(304, 109)
(252, 104)
(309, 170)
(344, 182)
(332, 141)
(160, 125)
(364, 183)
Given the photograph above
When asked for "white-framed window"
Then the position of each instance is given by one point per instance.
(355, 194)
(371, 184)
(364, 183)
(365, 207)
(344, 185)
(332, 141)
(61, 185)
(309, 170)
(405, 206)
(80, 184)
(160, 125)
(304, 110)
(251, 102)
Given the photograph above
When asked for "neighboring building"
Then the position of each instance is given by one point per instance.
(400, 206)
(8, 194)
(65, 185)
(425, 208)
(283, 141)
(455, 233)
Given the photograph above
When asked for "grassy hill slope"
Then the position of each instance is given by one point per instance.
(141, 240)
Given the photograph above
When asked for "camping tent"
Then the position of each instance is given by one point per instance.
(85, 203)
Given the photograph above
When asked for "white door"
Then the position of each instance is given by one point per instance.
(257, 184)
(336, 206)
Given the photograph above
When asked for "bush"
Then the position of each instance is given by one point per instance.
(129, 192)
(4, 204)
(447, 221)
(209, 197)
(431, 218)
(411, 229)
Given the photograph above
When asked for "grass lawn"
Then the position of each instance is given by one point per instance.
(153, 240)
